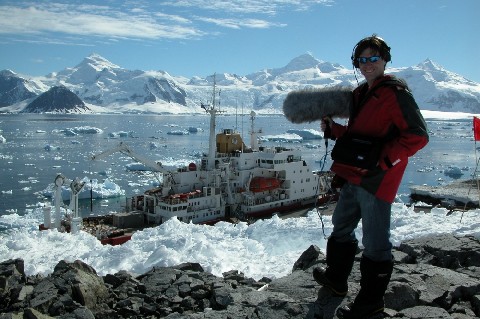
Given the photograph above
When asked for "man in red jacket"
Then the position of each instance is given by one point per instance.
(384, 116)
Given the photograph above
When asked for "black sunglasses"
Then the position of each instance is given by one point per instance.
(372, 59)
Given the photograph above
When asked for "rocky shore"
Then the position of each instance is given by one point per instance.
(460, 193)
(433, 277)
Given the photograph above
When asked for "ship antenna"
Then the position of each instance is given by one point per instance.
(212, 141)
(236, 115)
(253, 136)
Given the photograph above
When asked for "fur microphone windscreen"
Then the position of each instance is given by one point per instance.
(314, 104)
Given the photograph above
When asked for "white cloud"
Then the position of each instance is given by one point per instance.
(179, 19)
(92, 20)
(240, 23)
(248, 6)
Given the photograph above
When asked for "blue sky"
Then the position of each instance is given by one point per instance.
(200, 37)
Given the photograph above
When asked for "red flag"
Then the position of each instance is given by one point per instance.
(476, 128)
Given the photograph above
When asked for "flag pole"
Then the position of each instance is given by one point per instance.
(476, 136)
(476, 133)
(475, 176)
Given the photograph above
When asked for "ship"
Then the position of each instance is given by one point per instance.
(233, 181)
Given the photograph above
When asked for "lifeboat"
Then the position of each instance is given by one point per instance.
(182, 197)
(261, 184)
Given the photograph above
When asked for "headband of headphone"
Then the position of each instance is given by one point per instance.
(373, 42)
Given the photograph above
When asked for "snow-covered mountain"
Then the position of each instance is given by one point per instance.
(107, 87)
(14, 89)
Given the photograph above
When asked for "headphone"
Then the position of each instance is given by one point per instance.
(374, 42)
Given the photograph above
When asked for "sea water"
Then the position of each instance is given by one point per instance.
(40, 146)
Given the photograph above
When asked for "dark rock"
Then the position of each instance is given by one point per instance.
(308, 258)
(190, 266)
(87, 288)
(421, 312)
(14, 88)
(444, 251)
(44, 295)
(83, 313)
(58, 99)
(112, 280)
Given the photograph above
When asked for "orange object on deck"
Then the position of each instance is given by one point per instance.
(116, 240)
(261, 184)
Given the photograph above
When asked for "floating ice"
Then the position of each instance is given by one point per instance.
(120, 134)
(178, 132)
(107, 189)
(307, 134)
(69, 133)
(289, 138)
(86, 130)
(50, 148)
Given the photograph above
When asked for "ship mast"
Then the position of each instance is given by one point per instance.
(212, 110)
(253, 135)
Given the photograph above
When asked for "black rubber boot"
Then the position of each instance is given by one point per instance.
(340, 257)
(373, 284)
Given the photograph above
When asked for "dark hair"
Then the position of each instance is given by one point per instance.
(375, 43)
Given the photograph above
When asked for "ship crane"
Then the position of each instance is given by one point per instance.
(59, 181)
(76, 186)
(126, 150)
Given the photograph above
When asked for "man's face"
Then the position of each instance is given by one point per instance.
(371, 70)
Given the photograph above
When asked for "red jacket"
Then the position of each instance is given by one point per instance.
(388, 102)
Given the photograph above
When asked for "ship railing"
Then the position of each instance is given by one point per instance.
(259, 201)
(325, 180)
(226, 155)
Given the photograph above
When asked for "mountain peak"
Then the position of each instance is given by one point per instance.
(7, 73)
(97, 62)
(429, 65)
(302, 62)
(57, 99)
(88, 70)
